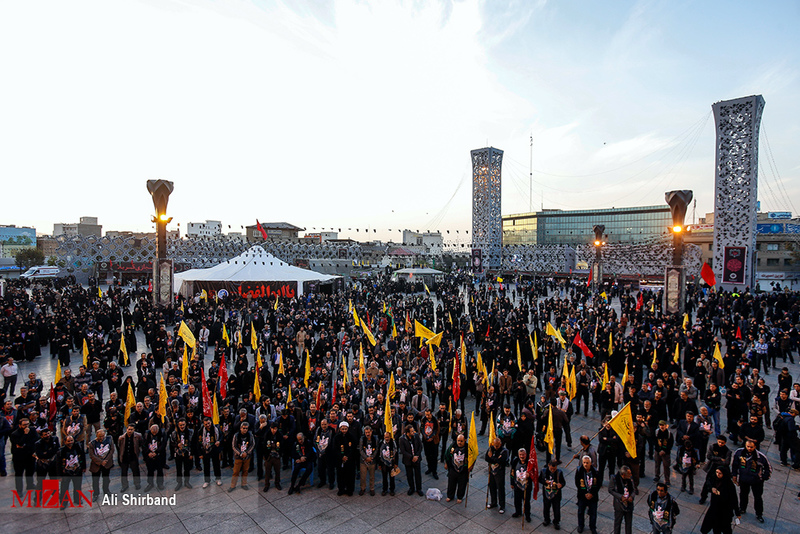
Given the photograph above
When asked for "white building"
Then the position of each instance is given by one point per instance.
(205, 229)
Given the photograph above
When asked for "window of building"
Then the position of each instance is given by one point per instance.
(772, 246)
(710, 247)
(771, 262)
(787, 262)
(758, 261)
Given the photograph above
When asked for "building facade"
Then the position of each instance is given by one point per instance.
(204, 229)
(276, 231)
(15, 238)
(87, 226)
(574, 227)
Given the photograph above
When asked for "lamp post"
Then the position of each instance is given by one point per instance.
(599, 241)
(675, 278)
(162, 267)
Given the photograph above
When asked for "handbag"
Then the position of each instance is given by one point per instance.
(395, 471)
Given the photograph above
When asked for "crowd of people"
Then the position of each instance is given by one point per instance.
(296, 390)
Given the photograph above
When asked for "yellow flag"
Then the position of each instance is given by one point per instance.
(428, 291)
(433, 360)
(225, 336)
(289, 396)
(204, 295)
(492, 375)
(472, 444)
(130, 403)
(551, 331)
(162, 398)
(534, 346)
(655, 357)
(185, 366)
(605, 297)
(253, 337)
(605, 377)
(361, 370)
(367, 332)
(450, 408)
(85, 354)
(519, 357)
(275, 306)
(450, 318)
(182, 310)
(259, 361)
(718, 357)
(471, 330)
(548, 436)
(435, 340)
(384, 306)
(186, 334)
(257, 388)
(356, 320)
(394, 329)
(481, 367)
(307, 374)
(390, 388)
(625, 376)
(610, 344)
(421, 331)
(463, 369)
(344, 368)
(685, 322)
(214, 410)
(677, 353)
(622, 423)
(572, 383)
(281, 371)
(492, 431)
(387, 417)
(123, 348)
(99, 292)
(58, 371)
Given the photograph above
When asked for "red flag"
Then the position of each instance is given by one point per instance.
(487, 330)
(52, 407)
(581, 345)
(456, 379)
(707, 273)
(333, 391)
(261, 229)
(223, 378)
(150, 286)
(589, 280)
(206, 395)
(639, 301)
(533, 468)
(319, 395)
(738, 332)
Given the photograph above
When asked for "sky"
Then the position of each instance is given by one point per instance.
(362, 114)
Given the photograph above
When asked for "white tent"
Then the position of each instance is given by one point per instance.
(255, 272)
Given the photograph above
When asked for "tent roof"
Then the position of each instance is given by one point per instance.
(255, 264)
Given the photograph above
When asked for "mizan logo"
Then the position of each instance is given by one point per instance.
(49, 497)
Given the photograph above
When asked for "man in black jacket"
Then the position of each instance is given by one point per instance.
(154, 448)
(497, 458)
(23, 445)
(304, 457)
(411, 451)
(346, 454)
(46, 457)
(587, 480)
(552, 480)
(72, 461)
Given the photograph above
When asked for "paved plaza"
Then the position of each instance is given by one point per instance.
(315, 511)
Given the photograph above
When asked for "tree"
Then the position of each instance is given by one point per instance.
(28, 257)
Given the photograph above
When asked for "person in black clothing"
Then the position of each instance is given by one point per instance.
(587, 480)
(154, 449)
(72, 463)
(304, 457)
(522, 484)
(23, 445)
(46, 456)
(345, 450)
(552, 480)
(718, 455)
(182, 441)
(457, 463)
(411, 448)
(623, 491)
(497, 458)
(388, 460)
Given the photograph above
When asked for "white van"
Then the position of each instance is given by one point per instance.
(40, 272)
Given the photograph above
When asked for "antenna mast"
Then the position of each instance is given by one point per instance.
(530, 178)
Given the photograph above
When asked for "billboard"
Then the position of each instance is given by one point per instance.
(779, 215)
(733, 265)
(477, 260)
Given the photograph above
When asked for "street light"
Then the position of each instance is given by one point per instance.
(599, 241)
(160, 190)
(675, 277)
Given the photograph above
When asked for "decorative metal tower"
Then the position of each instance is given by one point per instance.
(487, 223)
(736, 190)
